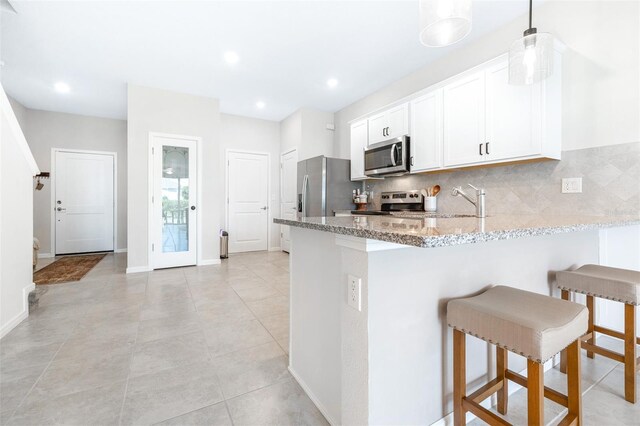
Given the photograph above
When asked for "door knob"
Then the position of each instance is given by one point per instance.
(61, 209)
(193, 207)
(58, 202)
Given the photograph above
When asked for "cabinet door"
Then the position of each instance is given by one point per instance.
(426, 132)
(358, 144)
(377, 125)
(398, 121)
(464, 120)
(511, 112)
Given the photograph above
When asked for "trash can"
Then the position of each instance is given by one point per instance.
(224, 245)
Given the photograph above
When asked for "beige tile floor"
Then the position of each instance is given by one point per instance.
(188, 346)
(191, 346)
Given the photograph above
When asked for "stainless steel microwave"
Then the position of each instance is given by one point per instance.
(390, 157)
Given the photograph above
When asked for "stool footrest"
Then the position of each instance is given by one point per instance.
(485, 415)
(612, 333)
(487, 390)
(569, 420)
(549, 393)
(602, 351)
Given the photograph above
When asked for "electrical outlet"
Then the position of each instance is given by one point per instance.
(354, 290)
(572, 185)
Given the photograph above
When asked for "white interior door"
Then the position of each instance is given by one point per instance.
(174, 202)
(288, 207)
(84, 202)
(248, 209)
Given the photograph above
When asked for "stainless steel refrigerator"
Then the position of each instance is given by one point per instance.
(324, 185)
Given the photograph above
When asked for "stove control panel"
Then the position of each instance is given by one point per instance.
(402, 197)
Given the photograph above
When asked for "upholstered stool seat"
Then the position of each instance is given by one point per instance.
(617, 284)
(530, 324)
(620, 285)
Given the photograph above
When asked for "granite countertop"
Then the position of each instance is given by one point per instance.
(427, 230)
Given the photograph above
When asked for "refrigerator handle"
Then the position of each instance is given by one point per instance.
(305, 182)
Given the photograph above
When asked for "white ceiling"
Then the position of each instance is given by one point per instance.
(288, 50)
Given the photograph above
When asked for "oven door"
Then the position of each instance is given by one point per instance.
(388, 157)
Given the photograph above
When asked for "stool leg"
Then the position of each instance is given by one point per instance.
(563, 354)
(459, 377)
(574, 393)
(535, 393)
(630, 353)
(592, 316)
(502, 359)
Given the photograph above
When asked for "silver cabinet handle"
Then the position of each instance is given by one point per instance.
(263, 208)
(60, 209)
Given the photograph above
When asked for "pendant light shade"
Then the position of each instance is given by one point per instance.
(444, 22)
(531, 57)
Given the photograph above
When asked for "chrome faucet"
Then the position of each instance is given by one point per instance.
(479, 201)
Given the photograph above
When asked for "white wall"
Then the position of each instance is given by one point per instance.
(20, 112)
(600, 71)
(155, 110)
(306, 130)
(17, 168)
(46, 130)
(250, 134)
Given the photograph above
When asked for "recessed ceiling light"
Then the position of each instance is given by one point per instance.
(260, 105)
(61, 87)
(231, 57)
(332, 82)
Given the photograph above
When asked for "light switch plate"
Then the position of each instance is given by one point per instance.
(354, 292)
(572, 185)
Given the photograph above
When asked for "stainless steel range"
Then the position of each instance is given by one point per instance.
(397, 201)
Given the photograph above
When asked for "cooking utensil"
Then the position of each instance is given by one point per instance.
(424, 192)
(435, 190)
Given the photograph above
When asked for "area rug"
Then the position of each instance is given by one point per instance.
(69, 268)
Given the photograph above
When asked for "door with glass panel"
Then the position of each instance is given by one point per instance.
(174, 202)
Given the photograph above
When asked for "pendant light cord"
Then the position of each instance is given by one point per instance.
(530, 13)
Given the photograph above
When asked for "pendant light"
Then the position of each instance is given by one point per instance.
(444, 22)
(531, 57)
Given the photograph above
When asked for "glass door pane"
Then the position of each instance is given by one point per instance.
(175, 199)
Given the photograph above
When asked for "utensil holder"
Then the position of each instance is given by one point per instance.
(430, 204)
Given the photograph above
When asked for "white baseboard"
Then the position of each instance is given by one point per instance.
(45, 256)
(136, 269)
(22, 315)
(205, 262)
(313, 398)
(275, 249)
(120, 250)
(488, 403)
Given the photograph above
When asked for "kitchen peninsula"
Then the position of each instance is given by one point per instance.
(388, 360)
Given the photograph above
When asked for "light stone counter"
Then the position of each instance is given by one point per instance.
(425, 230)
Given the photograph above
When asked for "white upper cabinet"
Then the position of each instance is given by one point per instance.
(389, 124)
(512, 112)
(358, 144)
(426, 132)
(464, 120)
(474, 118)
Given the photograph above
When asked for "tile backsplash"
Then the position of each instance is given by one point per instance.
(610, 184)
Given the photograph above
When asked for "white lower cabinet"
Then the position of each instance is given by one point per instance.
(426, 132)
(359, 140)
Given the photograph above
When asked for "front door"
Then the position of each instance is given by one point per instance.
(288, 205)
(248, 192)
(84, 202)
(174, 202)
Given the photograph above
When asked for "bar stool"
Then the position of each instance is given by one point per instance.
(620, 285)
(529, 324)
